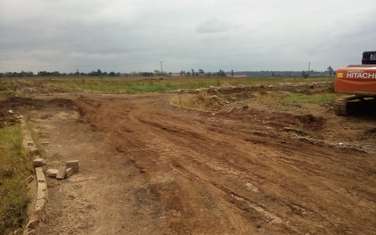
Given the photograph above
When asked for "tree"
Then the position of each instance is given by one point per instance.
(305, 74)
(330, 71)
(221, 73)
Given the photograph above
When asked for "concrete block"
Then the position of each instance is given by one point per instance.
(61, 173)
(40, 174)
(40, 206)
(69, 172)
(52, 173)
(74, 164)
(42, 192)
(39, 162)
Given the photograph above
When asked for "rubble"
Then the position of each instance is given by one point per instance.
(61, 173)
(74, 164)
(39, 162)
(69, 172)
(52, 173)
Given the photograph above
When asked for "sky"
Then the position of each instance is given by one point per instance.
(135, 35)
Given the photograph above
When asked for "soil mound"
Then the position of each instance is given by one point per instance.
(312, 122)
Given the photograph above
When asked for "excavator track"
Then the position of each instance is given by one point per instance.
(340, 107)
(355, 104)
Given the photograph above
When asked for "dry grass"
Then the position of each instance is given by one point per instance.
(14, 168)
(199, 102)
(132, 85)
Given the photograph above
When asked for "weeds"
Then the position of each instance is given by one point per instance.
(132, 85)
(299, 99)
(14, 168)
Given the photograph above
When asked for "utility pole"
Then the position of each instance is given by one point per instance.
(309, 66)
(162, 67)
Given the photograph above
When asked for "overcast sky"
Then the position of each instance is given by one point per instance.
(135, 35)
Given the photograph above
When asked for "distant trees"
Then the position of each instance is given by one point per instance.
(147, 74)
(16, 74)
(330, 71)
(201, 72)
(98, 72)
(221, 73)
(59, 74)
(46, 73)
(305, 74)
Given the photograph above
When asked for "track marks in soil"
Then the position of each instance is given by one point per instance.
(180, 172)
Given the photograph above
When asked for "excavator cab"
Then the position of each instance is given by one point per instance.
(359, 82)
(369, 57)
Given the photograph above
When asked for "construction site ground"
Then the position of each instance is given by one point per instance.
(217, 161)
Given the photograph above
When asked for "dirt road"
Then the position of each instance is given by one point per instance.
(150, 168)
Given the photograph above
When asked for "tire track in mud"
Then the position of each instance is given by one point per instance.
(185, 160)
(316, 216)
(242, 202)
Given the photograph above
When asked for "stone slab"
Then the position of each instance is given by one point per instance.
(69, 172)
(52, 173)
(74, 164)
(40, 174)
(61, 173)
(38, 162)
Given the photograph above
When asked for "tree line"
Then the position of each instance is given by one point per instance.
(58, 74)
(99, 72)
(190, 73)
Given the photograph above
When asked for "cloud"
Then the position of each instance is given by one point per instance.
(214, 26)
(134, 35)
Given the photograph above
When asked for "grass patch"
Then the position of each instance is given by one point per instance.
(132, 85)
(14, 168)
(301, 99)
(199, 102)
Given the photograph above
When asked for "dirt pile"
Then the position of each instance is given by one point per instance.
(202, 101)
(311, 122)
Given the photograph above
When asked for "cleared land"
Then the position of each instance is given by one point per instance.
(262, 159)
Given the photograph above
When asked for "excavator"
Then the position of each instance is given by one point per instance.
(358, 81)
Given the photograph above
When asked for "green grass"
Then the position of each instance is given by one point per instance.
(7, 87)
(14, 169)
(300, 99)
(133, 85)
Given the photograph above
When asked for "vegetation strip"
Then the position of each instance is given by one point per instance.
(14, 170)
(18, 86)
